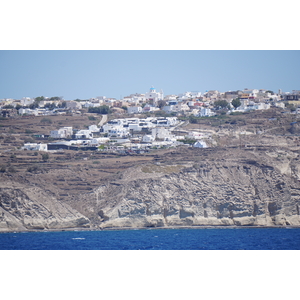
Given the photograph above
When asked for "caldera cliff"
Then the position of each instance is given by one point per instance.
(186, 187)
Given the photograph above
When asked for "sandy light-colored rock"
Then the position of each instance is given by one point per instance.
(216, 193)
(31, 208)
(194, 187)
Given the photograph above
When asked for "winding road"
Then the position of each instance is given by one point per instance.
(103, 120)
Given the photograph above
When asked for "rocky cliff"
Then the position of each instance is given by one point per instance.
(32, 208)
(192, 187)
(212, 188)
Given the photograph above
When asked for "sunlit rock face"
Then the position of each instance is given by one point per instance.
(199, 187)
(231, 194)
(30, 208)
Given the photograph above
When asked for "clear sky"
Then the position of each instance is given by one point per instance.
(114, 73)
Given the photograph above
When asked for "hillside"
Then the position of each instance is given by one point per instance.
(249, 177)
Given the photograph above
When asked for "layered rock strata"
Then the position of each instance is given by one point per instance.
(31, 208)
(242, 194)
(197, 187)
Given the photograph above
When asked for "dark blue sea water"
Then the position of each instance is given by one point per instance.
(156, 239)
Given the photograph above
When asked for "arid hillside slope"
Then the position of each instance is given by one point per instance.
(250, 176)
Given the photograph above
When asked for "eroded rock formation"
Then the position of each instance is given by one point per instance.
(208, 195)
(32, 208)
(194, 187)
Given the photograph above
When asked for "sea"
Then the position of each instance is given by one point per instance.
(156, 239)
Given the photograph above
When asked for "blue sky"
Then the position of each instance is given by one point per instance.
(115, 73)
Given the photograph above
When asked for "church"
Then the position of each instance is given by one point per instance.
(153, 97)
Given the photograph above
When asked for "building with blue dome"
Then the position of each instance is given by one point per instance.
(153, 96)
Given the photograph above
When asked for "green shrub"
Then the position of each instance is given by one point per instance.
(34, 169)
(104, 110)
(46, 121)
(11, 169)
(45, 156)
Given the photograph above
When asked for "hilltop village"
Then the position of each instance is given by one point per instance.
(141, 122)
(149, 160)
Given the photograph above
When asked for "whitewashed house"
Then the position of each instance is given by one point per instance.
(119, 133)
(113, 124)
(195, 135)
(169, 108)
(135, 98)
(170, 97)
(166, 122)
(86, 134)
(26, 101)
(73, 105)
(184, 96)
(160, 133)
(279, 104)
(148, 138)
(61, 133)
(149, 108)
(94, 128)
(98, 141)
(134, 109)
(195, 94)
(205, 112)
(180, 106)
(35, 147)
(28, 111)
(200, 144)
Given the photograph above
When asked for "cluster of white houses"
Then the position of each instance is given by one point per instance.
(196, 103)
(157, 133)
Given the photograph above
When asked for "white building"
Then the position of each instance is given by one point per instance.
(86, 134)
(153, 96)
(184, 96)
(135, 98)
(73, 105)
(28, 111)
(35, 147)
(170, 97)
(200, 144)
(149, 108)
(148, 138)
(205, 112)
(195, 135)
(134, 109)
(166, 122)
(61, 133)
(119, 133)
(279, 104)
(26, 101)
(98, 141)
(195, 94)
(117, 123)
(169, 108)
(251, 93)
(93, 128)
(160, 133)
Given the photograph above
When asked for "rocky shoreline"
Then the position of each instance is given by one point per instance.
(148, 228)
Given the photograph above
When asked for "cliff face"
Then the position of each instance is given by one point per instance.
(237, 192)
(31, 208)
(209, 187)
